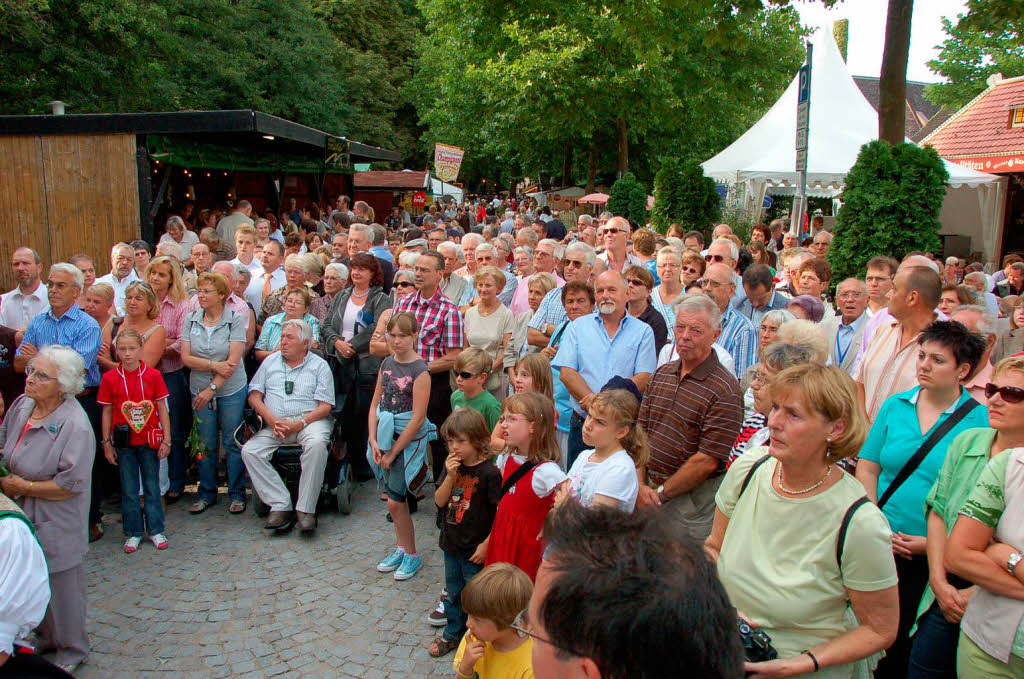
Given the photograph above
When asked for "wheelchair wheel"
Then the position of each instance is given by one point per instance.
(346, 483)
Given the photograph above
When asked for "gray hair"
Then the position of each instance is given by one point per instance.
(407, 259)
(305, 332)
(988, 324)
(452, 247)
(486, 247)
(781, 355)
(587, 220)
(299, 262)
(210, 234)
(338, 268)
(582, 248)
(525, 250)
(471, 240)
(559, 249)
(77, 277)
(733, 248)
(262, 220)
(242, 273)
(122, 246)
(363, 229)
(379, 235)
(225, 268)
(977, 275)
(408, 274)
(669, 251)
(699, 303)
(779, 316)
(607, 214)
(861, 285)
(175, 220)
(169, 248)
(69, 364)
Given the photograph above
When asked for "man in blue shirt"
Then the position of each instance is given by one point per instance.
(597, 347)
(67, 325)
(579, 262)
(760, 295)
(738, 336)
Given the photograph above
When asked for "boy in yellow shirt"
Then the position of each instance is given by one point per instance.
(492, 649)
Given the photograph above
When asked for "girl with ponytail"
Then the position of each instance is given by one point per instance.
(606, 474)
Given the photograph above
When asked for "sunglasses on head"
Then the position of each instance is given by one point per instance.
(466, 375)
(1009, 394)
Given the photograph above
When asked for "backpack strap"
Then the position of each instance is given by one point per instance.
(514, 477)
(845, 526)
(750, 474)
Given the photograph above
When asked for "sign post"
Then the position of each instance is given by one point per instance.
(803, 126)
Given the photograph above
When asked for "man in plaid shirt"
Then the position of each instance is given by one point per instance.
(441, 337)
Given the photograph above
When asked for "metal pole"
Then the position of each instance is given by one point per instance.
(800, 200)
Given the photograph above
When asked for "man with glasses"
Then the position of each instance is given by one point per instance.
(579, 262)
(738, 337)
(845, 330)
(724, 251)
(880, 272)
(583, 626)
(456, 288)
(613, 236)
(67, 325)
(442, 335)
(597, 347)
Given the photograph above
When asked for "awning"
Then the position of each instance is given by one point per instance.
(184, 152)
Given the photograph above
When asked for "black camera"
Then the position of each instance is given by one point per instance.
(757, 646)
(121, 437)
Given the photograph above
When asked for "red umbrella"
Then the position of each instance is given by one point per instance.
(594, 198)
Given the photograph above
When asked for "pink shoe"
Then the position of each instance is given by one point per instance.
(159, 541)
(131, 545)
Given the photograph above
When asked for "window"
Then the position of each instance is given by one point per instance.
(1017, 116)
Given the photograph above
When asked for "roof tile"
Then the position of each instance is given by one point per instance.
(982, 128)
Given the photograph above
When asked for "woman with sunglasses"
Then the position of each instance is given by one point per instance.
(347, 330)
(946, 596)
(640, 282)
(693, 268)
(400, 289)
(901, 458)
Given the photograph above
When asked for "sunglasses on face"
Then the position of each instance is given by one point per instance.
(466, 375)
(714, 258)
(403, 284)
(635, 281)
(1009, 394)
(605, 232)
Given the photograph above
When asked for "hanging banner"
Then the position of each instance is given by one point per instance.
(447, 160)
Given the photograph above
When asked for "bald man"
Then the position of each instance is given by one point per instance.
(613, 236)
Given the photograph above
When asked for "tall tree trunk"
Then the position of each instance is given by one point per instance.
(892, 85)
(567, 165)
(623, 143)
(591, 167)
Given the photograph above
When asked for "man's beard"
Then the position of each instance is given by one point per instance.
(606, 308)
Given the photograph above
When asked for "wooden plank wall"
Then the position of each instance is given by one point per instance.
(65, 194)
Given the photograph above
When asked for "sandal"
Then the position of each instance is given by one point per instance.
(200, 506)
(440, 647)
(237, 506)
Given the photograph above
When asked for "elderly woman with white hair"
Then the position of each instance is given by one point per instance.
(176, 232)
(48, 445)
(335, 279)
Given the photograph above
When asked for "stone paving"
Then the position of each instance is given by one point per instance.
(227, 600)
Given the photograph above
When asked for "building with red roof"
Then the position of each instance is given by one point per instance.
(988, 135)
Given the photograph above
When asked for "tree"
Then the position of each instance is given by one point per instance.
(892, 83)
(628, 198)
(891, 205)
(683, 194)
(988, 39)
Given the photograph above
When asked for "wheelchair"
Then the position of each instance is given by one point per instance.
(339, 483)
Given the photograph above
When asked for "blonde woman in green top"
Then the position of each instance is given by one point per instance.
(933, 653)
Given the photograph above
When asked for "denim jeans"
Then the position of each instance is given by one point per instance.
(178, 407)
(226, 417)
(576, 444)
(457, 572)
(131, 461)
(933, 653)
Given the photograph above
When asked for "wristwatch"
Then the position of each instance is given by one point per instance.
(660, 490)
(1013, 561)
(213, 387)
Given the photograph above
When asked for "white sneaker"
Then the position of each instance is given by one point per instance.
(160, 541)
(131, 545)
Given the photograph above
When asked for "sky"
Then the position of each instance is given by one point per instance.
(867, 31)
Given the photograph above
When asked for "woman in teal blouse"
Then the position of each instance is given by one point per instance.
(947, 355)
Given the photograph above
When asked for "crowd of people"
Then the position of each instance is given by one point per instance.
(631, 437)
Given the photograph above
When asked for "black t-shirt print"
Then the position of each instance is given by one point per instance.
(470, 511)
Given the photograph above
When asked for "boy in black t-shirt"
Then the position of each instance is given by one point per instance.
(467, 499)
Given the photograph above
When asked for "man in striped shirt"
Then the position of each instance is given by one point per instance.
(441, 337)
(691, 413)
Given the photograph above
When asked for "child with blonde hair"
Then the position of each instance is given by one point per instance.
(494, 647)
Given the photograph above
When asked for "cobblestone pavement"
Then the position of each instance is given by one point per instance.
(227, 600)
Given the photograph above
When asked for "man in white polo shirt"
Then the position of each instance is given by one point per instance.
(19, 306)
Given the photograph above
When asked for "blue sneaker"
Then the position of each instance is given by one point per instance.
(411, 565)
(392, 561)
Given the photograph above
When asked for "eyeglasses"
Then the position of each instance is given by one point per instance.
(708, 283)
(39, 375)
(714, 258)
(1009, 394)
(849, 294)
(576, 263)
(521, 626)
(636, 281)
(605, 232)
(691, 269)
(466, 375)
(403, 284)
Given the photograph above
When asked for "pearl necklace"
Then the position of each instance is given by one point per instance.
(824, 478)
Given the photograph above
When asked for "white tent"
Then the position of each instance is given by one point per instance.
(763, 160)
(439, 188)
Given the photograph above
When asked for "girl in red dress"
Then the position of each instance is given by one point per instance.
(527, 426)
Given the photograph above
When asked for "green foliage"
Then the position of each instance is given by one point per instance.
(517, 83)
(988, 39)
(628, 198)
(338, 65)
(891, 206)
(683, 194)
